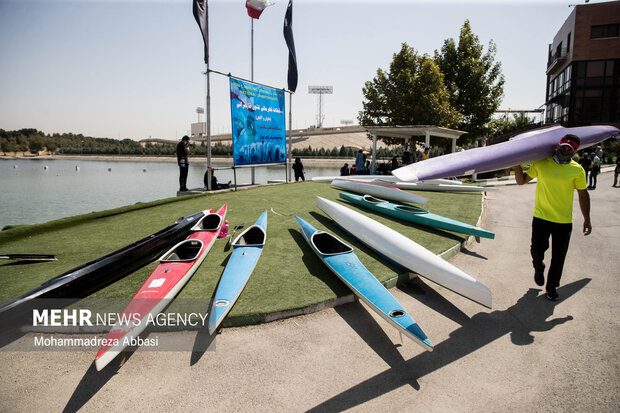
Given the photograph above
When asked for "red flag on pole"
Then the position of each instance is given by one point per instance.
(256, 7)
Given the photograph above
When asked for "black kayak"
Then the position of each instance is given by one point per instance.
(81, 281)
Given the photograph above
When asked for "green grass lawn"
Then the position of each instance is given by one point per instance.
(288, 275)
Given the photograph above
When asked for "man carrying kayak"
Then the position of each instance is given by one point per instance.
(558, 177)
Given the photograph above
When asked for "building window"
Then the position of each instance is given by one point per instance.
(604, 31)
(568, 44)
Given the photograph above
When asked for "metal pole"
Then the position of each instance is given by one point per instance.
(290, 137)
(208, 108)
(252, 78)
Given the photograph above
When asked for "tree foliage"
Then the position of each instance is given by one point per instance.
(412, 92)
(460, 87)
(507, 124)
(473, 79)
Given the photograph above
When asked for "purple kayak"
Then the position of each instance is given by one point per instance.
(526, 147)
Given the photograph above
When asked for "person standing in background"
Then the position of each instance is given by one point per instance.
(596, 169)
(359, 162)
(183, 161)
(586, 163)
(616, 171)
(298, 167)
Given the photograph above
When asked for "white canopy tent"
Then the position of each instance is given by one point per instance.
(408, 133)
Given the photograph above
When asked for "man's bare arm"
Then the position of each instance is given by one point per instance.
(521, 178)
(584, 205)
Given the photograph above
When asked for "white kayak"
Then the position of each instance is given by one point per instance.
(383, 178)
(406, 252)
(425, 186)
(380, 191)
(389, 178)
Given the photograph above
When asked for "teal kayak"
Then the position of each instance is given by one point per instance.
(342, 261)
(416, 215)
(247, 248)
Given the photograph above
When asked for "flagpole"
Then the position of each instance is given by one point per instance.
(208, 105)
(290, 135)
(253, 171)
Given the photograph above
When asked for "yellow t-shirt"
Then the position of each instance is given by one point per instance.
(555, 188)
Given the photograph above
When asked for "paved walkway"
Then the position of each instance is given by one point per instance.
(526, 354)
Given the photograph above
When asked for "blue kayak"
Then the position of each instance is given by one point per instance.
(416, 215)
(342, 261)
(247, 248)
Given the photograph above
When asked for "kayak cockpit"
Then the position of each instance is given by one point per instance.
(373, 200)
(187, 250)
(411, 209)
(209, 222)
(327, 244)
(254, 235)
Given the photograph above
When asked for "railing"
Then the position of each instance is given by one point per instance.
(553, 57)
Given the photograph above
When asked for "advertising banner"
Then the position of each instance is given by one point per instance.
(258, 124)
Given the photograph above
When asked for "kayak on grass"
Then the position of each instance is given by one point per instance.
(342, 261)
(386, 192)
(88, 278)
(247, 248)
(175, 269)
(416, 215)
(405, 252)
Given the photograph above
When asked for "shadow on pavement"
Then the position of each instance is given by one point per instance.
(527, 315)
(202, 344)
(94, 380)
(425, 294)
(360, 320)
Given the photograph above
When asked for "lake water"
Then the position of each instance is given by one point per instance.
(33, 190)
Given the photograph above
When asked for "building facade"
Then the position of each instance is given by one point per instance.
(583, 69)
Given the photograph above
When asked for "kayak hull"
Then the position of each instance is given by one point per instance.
(381, 191)
(424, 186)
(406, 252)
(85, 279)
(175, 269)
(343, 262)
(416, 215)
(247, 248)
(523, 148)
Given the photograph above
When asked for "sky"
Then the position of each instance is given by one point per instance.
(134, 68)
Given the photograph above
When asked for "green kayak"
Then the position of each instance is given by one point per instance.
(416, 215)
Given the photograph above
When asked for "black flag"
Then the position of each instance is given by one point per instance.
(201, 16)
(288, 37)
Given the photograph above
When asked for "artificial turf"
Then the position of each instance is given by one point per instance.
(288, 275)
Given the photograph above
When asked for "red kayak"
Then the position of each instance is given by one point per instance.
(175, 269)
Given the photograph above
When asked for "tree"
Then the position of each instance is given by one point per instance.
(504, 124)
(412, 92)
(473, 79)
(35, 144)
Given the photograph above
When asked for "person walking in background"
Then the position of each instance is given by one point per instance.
(183, 161)
(298, 167)
(558, 177)
(360, 159)
(394, 163)
(586, 163)
(616, 171)
(595, 170)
